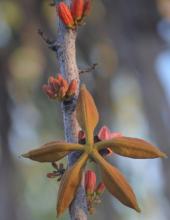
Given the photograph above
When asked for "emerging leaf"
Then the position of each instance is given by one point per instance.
(131, 147)
(87, 114)
(116, 183)
(52, 151)
(69, 184)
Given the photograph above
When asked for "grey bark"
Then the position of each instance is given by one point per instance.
(66, 56)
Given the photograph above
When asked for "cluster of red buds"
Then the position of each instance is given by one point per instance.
(58, 172)
(71, 17)
(103, 134)
(93, 193)
(106, 134)
(59, 89)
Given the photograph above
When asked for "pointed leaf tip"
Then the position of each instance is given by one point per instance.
(52, 151)
(163, 155)
(27, 155)
(138, 209)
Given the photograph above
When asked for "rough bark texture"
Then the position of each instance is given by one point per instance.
(66, 56)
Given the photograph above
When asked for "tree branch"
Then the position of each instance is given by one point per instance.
(66, 56)
(90, 69)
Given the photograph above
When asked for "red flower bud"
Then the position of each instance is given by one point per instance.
(53, 84)
(90, 181)
(61, 93)
(100, 188)
(87, 7)
(48, 91)
(81, 135)
(65, 14)
(59, 77)
(51, 80)
(72, 88)
(106, 134)
(77, 9)
(64, 84)
(58, 88)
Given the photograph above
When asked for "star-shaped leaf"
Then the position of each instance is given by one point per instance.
(115, 182)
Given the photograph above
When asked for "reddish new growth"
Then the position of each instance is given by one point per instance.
(103, 134)
(71, 17)
(65, 15)
(90, 181)
(93, 193)
(106, 134)
(100, 189)
(59, 89)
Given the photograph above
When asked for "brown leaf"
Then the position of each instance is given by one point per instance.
(69, 184)
(87, 114)
(116, 183)
(131, 147)
(52, 151)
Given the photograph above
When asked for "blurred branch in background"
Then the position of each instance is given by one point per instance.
(7, 166)
(123, 39)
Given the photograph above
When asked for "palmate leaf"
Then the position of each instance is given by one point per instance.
(87, 114)
(131, 147)
(69, 184)
(52, 151)
(116, 183)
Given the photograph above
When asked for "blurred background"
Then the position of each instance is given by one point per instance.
(130, 41)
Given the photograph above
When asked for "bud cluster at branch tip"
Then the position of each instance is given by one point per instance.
(59, 89)
(74, 16)
(93, 193)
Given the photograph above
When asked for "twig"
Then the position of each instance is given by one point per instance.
(51, 43)
(44, 37)
(66, 57)
(52, 4)
(90, 69)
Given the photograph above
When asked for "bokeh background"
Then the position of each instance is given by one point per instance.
(130, 41)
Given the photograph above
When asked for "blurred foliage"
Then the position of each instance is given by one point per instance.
(125, 39)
